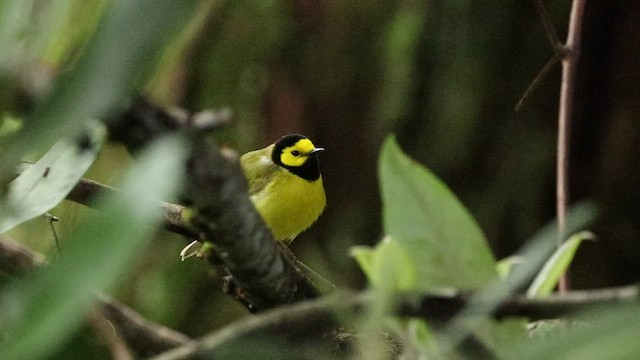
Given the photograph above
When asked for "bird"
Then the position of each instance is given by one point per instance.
(285, 186)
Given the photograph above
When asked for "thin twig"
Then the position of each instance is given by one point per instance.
(558, 48)
(143, 336)
(569, 61)
(107, 332)
(16, 259)
(50, 219)
(87, 191)
(537, 80)
(549, 28)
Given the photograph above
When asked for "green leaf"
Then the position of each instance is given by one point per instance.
(392, 269)
(9, 125)
(503, 267)
(46, 183)
(538, 247)
(388, 266)
(421, 213)
(39, 313)
(552, 271)
(364, 257)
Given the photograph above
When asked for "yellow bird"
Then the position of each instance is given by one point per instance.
(285, 186)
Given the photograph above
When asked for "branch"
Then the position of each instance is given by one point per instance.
(16, 260)
(533, 86)
(552, 34)
(142, 336)
(316, 319)
(87, 191)
(572, 52)
(103, 329)
(222, 211)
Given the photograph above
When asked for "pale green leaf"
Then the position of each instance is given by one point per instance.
(538, 247)
(552, 271)
(503, 267)
(392, 269)
(388, 266)
(39, 312)
(46, 183)
(364, 257)
(444, 241)
(9, 125)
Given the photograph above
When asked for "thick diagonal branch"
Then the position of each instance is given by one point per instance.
(222, 211)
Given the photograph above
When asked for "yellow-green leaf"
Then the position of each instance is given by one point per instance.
(548, 277)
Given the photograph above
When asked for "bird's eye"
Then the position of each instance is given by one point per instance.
(295, 153)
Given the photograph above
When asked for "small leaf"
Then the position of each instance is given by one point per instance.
(388, 266)
(392, 268)
(427, 219)
(46, 183)
(537, 248)
(503, 267)
(552, 271)
(364, 257)
(9, 125)
(40, 312)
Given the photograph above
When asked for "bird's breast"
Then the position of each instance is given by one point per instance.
(290, 204)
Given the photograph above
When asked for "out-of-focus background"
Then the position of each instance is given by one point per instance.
(444, 76)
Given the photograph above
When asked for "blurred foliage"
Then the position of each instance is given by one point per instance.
(39, 312)
(443, 75)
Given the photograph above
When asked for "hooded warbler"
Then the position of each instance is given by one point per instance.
(285, 186)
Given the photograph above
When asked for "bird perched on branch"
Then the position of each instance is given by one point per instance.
(285, 186)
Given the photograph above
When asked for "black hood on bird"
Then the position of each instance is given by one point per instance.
(310, 170)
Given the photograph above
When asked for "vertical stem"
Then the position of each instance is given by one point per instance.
(571, 54)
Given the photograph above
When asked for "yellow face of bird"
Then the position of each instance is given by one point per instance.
(297, 154)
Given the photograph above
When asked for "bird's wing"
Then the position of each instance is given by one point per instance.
(258, 168)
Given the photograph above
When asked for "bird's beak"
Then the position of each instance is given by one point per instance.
(315, 151)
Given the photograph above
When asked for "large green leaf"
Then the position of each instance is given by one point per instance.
(39, 313)
(47, 182)
(420, 212)
(552, 271)
(504, 266)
